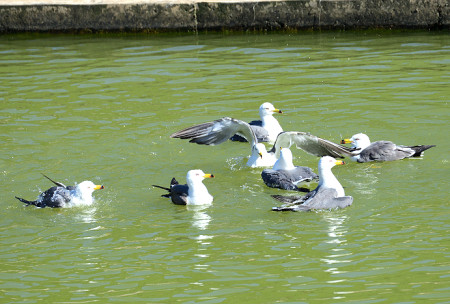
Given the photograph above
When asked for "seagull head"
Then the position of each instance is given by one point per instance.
(197, 176)
(329, 162)
(259, 149)
(87, 187)
(260, 157)
(358, 141)
(267, 109)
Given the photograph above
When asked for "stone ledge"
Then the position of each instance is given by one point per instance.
(114, 15)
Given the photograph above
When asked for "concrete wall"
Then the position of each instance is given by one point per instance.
(244, 15)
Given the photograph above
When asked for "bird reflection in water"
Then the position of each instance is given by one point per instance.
(336, 233)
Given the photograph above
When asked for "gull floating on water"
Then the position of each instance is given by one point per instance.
(329, 194)
(266, 129)
(192, 193)
(285, 175)
(65, 196)
(364, 151)
(220, 130)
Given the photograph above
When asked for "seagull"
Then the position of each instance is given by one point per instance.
(285, 175)
(220, 130)
(266, 129)
(364, 151)
(329, 194)
(65, 196)
(194, 193)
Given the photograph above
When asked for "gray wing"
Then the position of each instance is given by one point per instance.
(261, 134)
(384, 151)
(311, 144)
(54, 197)
(326, 198)
(293, 203)
(61, 197)
(287, 179)
(320, 198)
(217, 132)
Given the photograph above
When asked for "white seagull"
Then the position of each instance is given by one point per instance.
(364, 151)
(65, 196)
(329, 194)
(266, 129)
(192, 193)
(284, 175)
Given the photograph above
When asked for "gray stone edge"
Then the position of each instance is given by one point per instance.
(277, 15)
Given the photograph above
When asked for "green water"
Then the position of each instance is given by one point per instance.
(102, 108)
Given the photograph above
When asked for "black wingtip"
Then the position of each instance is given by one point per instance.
(161, 187)
(419, 150)
(25, 201)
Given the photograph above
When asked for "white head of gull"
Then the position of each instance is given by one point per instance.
(359, 141)
(260, 157)
(272, 126)
(82, 194)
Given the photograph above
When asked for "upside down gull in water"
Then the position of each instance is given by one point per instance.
(285, 175)
(65, 196)
(192, 193)
(329, 194)
(220, 130)
(364, 151)
(266, 129)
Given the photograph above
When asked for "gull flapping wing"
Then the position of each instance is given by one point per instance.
(312, 144)
(217, 132)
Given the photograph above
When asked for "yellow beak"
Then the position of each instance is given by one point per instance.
(339, 162)
(208, 175)
(346, 141)
(98, 187)
(260, 154)
(277, 111)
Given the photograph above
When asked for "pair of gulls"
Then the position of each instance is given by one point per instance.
(329, 193)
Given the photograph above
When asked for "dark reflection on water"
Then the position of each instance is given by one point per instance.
(103, 107)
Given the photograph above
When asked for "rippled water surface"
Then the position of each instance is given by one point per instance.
(102, 108)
